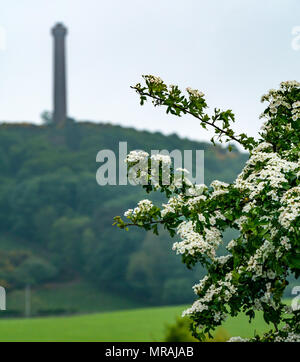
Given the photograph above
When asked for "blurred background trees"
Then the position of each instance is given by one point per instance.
(56, 221)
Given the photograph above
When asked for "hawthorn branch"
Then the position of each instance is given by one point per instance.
(152, 222)
(212, 124)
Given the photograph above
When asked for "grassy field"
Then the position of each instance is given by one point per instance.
(125, 326)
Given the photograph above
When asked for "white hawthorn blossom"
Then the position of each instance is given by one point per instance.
(262, 204)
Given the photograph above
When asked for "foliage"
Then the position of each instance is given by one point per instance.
(19, 268)
(262, 204)
(47, 117)
(195, 105)
(180, 332)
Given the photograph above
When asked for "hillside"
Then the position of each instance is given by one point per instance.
(56, 221)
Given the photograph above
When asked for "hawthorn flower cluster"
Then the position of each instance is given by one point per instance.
(195, 93)
(143, 208)
(291, 207)
(193, 242)
(154, 80)
(262, 204)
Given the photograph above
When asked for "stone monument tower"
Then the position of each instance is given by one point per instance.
(59, 32)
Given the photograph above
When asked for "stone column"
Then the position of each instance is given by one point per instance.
(59, 32)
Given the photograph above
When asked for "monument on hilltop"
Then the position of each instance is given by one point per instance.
(59, 32)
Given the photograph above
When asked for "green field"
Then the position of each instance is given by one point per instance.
(137, 325)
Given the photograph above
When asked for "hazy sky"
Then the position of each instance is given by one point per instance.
(233, 50)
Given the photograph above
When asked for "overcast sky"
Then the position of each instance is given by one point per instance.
(233, 51)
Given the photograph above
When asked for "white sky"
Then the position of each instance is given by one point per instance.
(233, 50)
